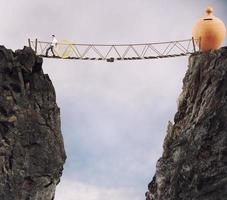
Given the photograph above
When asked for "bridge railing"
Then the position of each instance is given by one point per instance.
(114, 52)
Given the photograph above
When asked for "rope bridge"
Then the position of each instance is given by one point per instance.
(112, 52)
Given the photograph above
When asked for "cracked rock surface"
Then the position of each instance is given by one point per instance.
(194, 161)
(31, 145)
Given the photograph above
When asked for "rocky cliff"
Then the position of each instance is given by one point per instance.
(31, 145)
(194, 161)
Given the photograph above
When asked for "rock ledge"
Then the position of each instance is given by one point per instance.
(31, 145)
(194, 161)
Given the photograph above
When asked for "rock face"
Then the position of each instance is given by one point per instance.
(31, 146)
(194, 161)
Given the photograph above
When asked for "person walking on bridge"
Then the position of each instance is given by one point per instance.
(52, 45)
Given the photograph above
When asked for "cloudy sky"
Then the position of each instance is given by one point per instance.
(114, 115)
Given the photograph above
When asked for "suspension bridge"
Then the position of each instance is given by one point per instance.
(116, 52)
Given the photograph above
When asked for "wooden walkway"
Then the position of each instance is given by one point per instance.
(115, 52)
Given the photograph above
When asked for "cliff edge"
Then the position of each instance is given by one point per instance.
(31, 145)
(194, 161)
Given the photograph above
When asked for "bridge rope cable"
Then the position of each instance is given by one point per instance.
(112, 52)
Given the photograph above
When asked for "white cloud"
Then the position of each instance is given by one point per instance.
(73, 190)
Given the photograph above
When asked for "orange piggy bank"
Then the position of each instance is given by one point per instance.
(209, 32)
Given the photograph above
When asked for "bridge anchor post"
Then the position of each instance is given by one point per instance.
(36, 45)
(193, 42)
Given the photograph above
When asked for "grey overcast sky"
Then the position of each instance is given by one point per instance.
(114, 115)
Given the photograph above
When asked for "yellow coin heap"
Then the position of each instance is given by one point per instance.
(64, 49)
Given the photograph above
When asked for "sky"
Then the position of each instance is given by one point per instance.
(113, 115)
